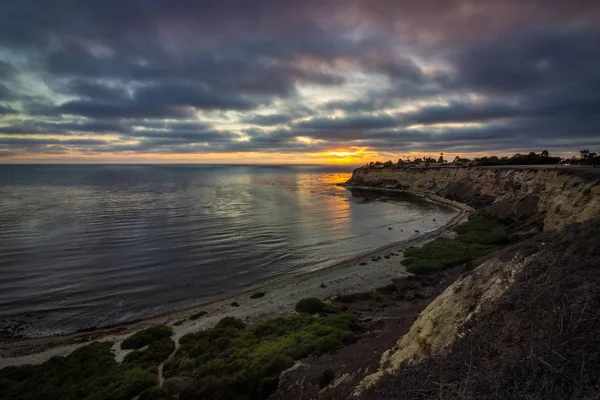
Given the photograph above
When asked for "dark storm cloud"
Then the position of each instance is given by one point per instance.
(173, 99)
(208, 136)
(64, 128)
(93, 109)
(7, 110)
(269, 120)
(7, 70)
(6, 94)
(537, 60)
(181, 93)
(524, 73)
(95, 91)
(365, 122)
(41, 142)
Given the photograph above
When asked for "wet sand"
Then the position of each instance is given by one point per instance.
(362, 273)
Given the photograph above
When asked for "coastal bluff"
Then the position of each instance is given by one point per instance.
(507, 293)
(546, 199)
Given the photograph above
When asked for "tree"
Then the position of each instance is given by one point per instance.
(584, 154)
(441, 159)
(545, 155)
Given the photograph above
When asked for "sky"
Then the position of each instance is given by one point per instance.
(306, 81)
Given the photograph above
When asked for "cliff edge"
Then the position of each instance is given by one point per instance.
(547, 199)
(554, 274)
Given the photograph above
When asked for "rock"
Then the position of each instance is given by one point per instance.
(198, 315)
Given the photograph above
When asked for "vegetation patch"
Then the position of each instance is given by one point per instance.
(89, 373)
(155, 393)
(147, 336)
(477, 237)
(312, 306)
(236, 361)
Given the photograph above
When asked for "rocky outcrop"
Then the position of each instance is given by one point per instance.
(440, 324)
(522, 325)
(548, 199)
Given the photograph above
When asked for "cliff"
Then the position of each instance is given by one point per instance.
(522, 325)
(548, 199)
(512, 295)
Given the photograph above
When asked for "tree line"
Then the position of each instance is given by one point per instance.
(532, 158)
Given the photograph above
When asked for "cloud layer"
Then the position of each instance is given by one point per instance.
(136, 77)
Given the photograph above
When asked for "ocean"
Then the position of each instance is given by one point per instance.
(92, 245)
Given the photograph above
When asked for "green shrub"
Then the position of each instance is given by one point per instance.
(156, 352)
(311, 306)
(147, 336)
(477, 237)
(89, 373)
(230, 322)
(238, 361)
(155, 393)
(483, 230)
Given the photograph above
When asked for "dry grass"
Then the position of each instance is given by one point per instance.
(539, 341)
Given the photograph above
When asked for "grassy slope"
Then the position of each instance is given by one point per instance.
(235, 361)
(477, 237)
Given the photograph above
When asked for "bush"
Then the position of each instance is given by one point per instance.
(147, 336)
(89, 373)
(326, 378)
(230, 322)
(311, 306)
(155, 393)
(477, 237)
(238, 361)
(156, 352)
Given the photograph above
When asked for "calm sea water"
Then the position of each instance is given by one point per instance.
(84, 246)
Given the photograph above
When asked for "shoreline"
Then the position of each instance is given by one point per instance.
(360, 273)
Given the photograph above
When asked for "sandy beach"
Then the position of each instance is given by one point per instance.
(359, 274)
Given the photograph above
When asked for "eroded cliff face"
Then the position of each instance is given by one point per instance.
(440, 324)
(548, 199)
(521, 325)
